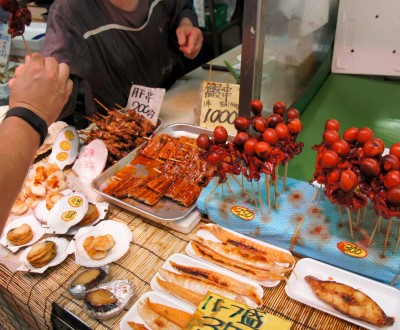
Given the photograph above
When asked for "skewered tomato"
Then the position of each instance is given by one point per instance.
(369, 167)
(341, 147)
(279, 108)
(329, 136)
(214, 158)
(292, 113)
(364, 134)
(295, 126)
(390, 162)
(242, 124)
(348, 181)
(203, 141)
(329, 159)
(259, 124)
(241, 138)
(393, 196)
(391, 179)
(256, 107)
(350, 134)
(270, 136)
(274, 120)
(250, 146)
(282, 131)
(332, 124)
(374, 147)
(220, 134)
(395, 150)
(263, 149)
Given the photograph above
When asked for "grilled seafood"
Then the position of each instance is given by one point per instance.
(20, 235)
(223, 281)
(180, 292)
(153, 319)
(349, 301)
(270, 254)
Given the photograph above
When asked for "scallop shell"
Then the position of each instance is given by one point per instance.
(62, 254)
(42, 213)
(65, 147)
(122, 236)
(79, 290)
(67, 212)
(123, 291)
(38, 232)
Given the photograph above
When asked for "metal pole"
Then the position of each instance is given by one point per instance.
(254, 28)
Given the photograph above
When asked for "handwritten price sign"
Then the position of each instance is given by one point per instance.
(146, 101)
(219, 105)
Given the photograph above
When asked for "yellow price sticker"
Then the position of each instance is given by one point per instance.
(62, 156)
(69, 215)
(69, 135)
(352, 249)
(65, 145)
(242, 212)
(75, 201)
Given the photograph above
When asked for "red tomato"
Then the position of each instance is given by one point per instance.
(242, 124)
(393, 196)
(295, 126)
(270, 136)
(390, 162)
(279, 108)
(292, 113)
(348, 181)
(274, 120)
(333, 176)
(282, 131)
(256, 107)
(395, 150)
(364, 134)
(329, 136)
(220, 134)
(332, 124)
(369, 167)
(263, 149)
(391, 179)
(341, 147)
(214, 158)
(373, 147)
(250, 146)
(241, 138)
(329, 159)
(350, 134)
(259, 123)
(203, 141)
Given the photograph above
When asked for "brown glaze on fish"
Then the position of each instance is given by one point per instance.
(350, 301)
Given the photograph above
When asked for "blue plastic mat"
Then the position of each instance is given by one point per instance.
(322, 234)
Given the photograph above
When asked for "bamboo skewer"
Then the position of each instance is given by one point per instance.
(28, 51)
(285, 176)
(254, 194)
(319, 193)
(90, 119)
(350, 222)
(374, 231)
(102, 105)
(241, 185)
(387, 237)
(267, 188)
(358, 218)
(364, 213)
(340, 215)
(275, 188)
(398, 238)
(259, 195)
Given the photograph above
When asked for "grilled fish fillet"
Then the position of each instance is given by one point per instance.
(350, 301)
(153, 319)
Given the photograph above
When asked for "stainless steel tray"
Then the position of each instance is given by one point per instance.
(165, 209)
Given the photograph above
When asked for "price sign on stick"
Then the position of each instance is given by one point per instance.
(5, 45)
(146, 101)
(219, 105)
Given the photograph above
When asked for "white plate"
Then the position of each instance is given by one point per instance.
(182, 259)
(208, 236)
(388, 298)
(133, 316)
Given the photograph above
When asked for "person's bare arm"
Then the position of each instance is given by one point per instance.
(190, 38)
(42, 86)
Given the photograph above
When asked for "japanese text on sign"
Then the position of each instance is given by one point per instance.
(5, 45)
(219, 105)
(146, 101)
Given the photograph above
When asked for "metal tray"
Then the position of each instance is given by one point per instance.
(166, 209)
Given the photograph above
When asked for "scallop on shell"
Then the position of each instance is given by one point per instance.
(108, 299)
(37, 230)
(41, 211)
(67, 212)
(88, 279)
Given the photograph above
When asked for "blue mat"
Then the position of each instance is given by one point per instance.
(322, 235)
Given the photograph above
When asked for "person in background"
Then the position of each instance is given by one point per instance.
(38, 93)
(110, 44)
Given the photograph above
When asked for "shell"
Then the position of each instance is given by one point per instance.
(88, 279)
(65, 147)
(108, 299)
(42, 213)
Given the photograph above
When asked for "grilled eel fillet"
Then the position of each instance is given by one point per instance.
(350, 301)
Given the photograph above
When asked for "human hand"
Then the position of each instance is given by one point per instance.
(42, 86)
(190, 38)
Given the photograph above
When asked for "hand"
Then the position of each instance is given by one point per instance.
(190, 38)
(42, 86)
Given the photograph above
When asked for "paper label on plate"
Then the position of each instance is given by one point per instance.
(65, 148)
(217, 312)
(242, 212)
(352, 250)
(146, 101)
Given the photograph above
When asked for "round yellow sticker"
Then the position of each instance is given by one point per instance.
(69, 135)
(242, 212)
(75, 201)
(69, 215)
(61, 156)
(352, 249)
(65, 145)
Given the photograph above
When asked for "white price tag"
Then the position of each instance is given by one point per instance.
(146, 101)
(5, 44)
